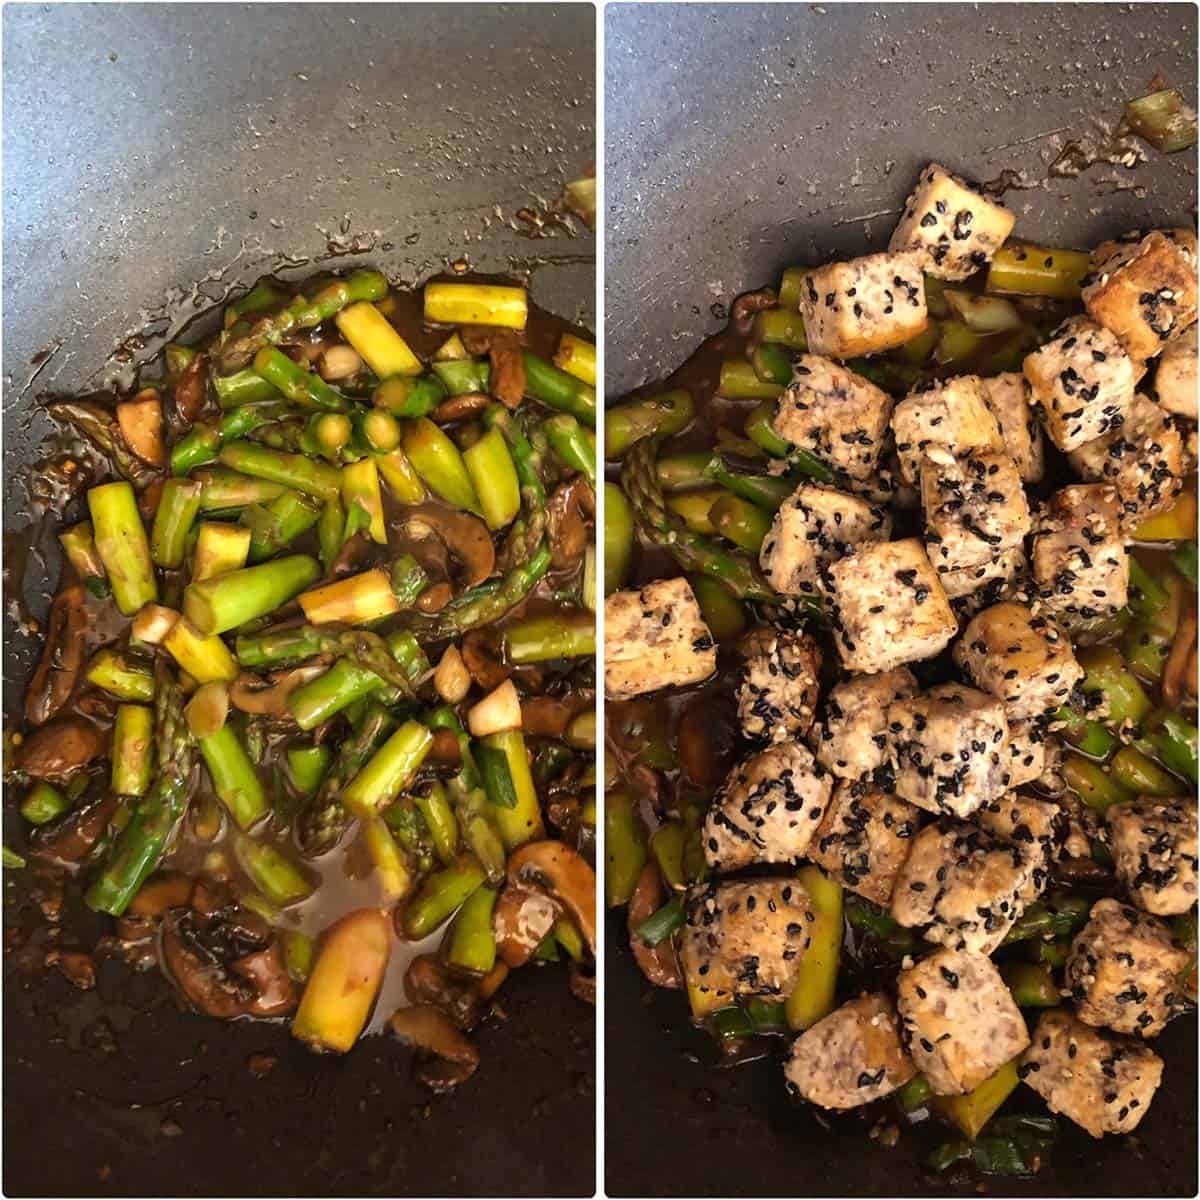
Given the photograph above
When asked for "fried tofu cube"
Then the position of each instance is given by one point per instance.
(851, 738)
(1144, 460)
(1026, 752)
(816, 525)
(1144, 292)
(864, 837)
(1038, 830)
(1007, 396)
(954, 228)
(655, 638)
(975, 507)
(1175, 377)
(949, 749)
(778, 694)
(767, 810)
(887, 606)
(958, 1020)
(834, 414)
(1082, 380)
(1080, 564)
(953, 414)
(1101, 1082)
(963, 886)
(974, 588)
(746, 938)
(865, 305)
(1125, 970)
(1154, 848)
(850, 1057)
(1025, 660)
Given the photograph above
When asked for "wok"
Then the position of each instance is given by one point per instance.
(156, 157)
(771, 135)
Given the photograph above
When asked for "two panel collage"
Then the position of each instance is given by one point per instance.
(599, 599)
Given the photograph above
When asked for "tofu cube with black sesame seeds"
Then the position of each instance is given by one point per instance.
(1082, 381)
(1175, 385)
(865, 305)
(958, 1020)
(961, 885)
(746, 938)
(816, 525)
(973, 588)
(851, 737)
(953, 414)
(1026, 752)
(886, 606)
(954, 228)
(850, 1057)
(1144, 292)
(1124, 970)
(949, 749)
(1037, 828)
(767, 809)
(1144, 460)
(1024, 659)
(975, 507)
(1080, 564)
(1102, 1082)
(864, 838)
(1153, 845)
(837, 416)
(655, 638)
(1007, 396)
(777, 696)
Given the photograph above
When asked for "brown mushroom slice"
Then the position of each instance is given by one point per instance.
(73, 837)
(507, 379)
(480, 650)
(62, 659)
(60, 748)
(466, 537)
(168, 889)
(428, 1028)
(522, 917)
(266, 971)
(658, 963)
(191, 388)
(566, 875)
(459, 408)
(251, 694)
(203, 980)
(546, 716)
(427, 981)
(568, 517)
(582, 984)
(1175, 676)
(444, 750)
(706, 740)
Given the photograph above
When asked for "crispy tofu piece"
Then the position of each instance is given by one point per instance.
(1175, 378)
(1007, 396)
(949, 749)
(834, 414)
(1144, 460)
(1154, 848)
(816, 525)
(850, 1057)
(1025, 660)
(1144, 292)
(1037, 828)
(1101, 1082)
(954, 228)
(1125, 971)
(768, 809)
(1083, 382)
(1026, 753)
(953, 414)
(975, 507)
(958, 1020)
(746, 938)
(655, 638)
(851, 738)
(962, 885)
(864, 837)
(1080, 564)
(887, 606)
(778, 693)
(865, 305)
(975, 588)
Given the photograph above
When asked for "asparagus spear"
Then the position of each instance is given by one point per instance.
(273, 527)
(215, 605)
(388, 770)
(573, 444)
(132, 750)
(556, 389)
(123, 547)
(291, 470)
(178, 508)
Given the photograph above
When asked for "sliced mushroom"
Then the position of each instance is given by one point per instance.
(480, 650)
(169, 889)
(428, 1028)
(459, 408)
(444, 750)
(191, 389)
(507, 379)
(62, 658)
(745, 307)
(563, 873)
(204, 981)
(466, 537)
(582, 983)
(275, 994)
(61, 748)
(73, 837)
(522, 917)
(569, 512)
(546, 716)
(249, 693)
(1175, 670)
(428, 982)
(657, 963)
(706, 739)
